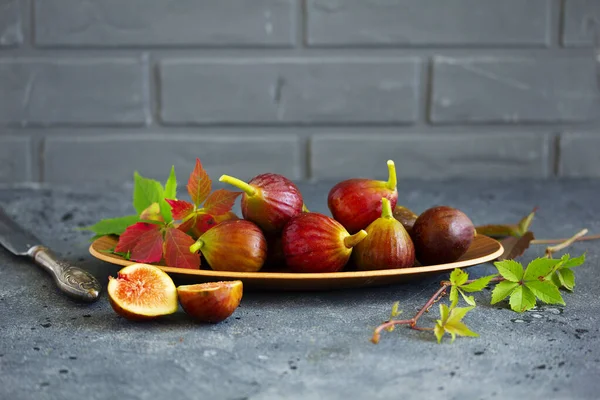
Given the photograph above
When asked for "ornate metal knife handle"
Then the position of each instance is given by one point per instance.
(73, 281)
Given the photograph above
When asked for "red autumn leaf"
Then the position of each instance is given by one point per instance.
(149, 248)
(199, 184)
(220, 201)
(180, 208)
(130, 238)
(177, 250)
(187, 225)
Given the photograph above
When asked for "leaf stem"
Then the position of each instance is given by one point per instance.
(553, 249)
(412, 323)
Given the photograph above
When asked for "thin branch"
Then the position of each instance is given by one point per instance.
(558, 241)
(413, 321)
(553, 249)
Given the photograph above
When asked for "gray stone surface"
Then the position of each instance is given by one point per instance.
(10, 23)
(580, 155)
(113, 158)
(439, 22)
(290, 91)
(578, 20)
(72, 91)
(437, 156)
(15, 153)
(160, 23)
(518, 90)
(300, 345)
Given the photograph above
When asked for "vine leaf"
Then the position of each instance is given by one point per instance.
(451, 322)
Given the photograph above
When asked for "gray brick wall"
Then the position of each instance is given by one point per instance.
(314, 89)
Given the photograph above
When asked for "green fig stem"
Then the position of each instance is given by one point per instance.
(386, 209)
(392, 180)
(196, 246)
(353, 240)
(238, 183)
(305, 209)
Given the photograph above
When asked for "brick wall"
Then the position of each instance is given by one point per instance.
(313, 89)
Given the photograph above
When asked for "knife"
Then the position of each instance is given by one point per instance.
(71, 280)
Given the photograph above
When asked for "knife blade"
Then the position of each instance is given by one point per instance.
(71, 280)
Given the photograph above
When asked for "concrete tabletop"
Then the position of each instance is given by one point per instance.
(301, 345)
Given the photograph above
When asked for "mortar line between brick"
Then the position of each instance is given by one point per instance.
(556, 22)
(301, 24)
(557, 154)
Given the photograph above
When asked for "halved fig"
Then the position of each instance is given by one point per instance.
(212, 301)
(141, 292)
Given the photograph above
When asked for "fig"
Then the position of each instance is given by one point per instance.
(313, 242)
(269, 200)
(406, 217)
(442, 235)
(387, 245)
(275, 256)
(238, 246)
(142, 292)
(212, 301)
(355, 203)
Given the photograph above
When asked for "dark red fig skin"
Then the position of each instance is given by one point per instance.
(277, 199)
(442, 235)
(314, 242)
(234, 246)
(406, 217)
(387, 245)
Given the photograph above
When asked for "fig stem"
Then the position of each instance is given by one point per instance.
(305, 209)
(196, 246)
(386, 209)
(238, 183)
(353, 240)
(392, 180)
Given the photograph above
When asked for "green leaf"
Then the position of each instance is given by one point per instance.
(145, 192)
(444, 313)
(451, 322)
(453, 297)
(546, 291)
(522, 299)
(171, 185)
(573, 262)
(469, 299)
(438, 330)
(557, 278)
(459, 328)
(566, 278)
(525, 223)
(458, 277)
(510, 270)
(112, 226)
(539, 268)
(478, 284)
(502, 290)
(395, 311)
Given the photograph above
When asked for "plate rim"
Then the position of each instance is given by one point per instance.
(294, 276)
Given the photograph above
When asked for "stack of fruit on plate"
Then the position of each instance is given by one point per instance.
(368, 230)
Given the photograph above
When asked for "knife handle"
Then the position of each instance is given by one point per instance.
(71, 280)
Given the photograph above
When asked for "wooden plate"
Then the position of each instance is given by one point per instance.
(482, 250)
